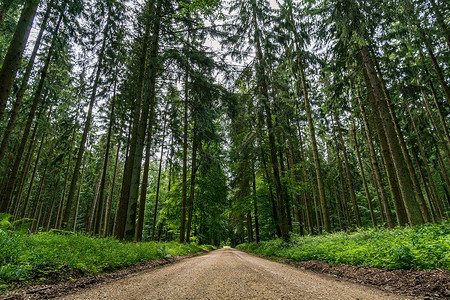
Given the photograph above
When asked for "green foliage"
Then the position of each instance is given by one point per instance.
(25, 257)
(420, 247)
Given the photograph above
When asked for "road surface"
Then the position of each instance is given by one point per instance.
(231, 274)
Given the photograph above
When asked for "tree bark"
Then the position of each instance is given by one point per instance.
(409, 199)
(130, 228)
(392, 180)
(13, 57)
(23, 87)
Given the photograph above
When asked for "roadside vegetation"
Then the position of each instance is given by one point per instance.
(39, 257)
(420, 247)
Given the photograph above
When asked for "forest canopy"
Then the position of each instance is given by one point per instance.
(223, 122)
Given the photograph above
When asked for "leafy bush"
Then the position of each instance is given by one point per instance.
(420, 247)
(23, 257)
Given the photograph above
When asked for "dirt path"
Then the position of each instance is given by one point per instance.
(231, 274)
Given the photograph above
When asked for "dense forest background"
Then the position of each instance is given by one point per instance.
(224, 121)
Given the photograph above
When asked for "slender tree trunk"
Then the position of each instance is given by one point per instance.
(316, 208)
(436, 66)
(249, 227)
(427, 166)
(13, 57)
(87, 126)
(439, 110)
(194, 168)
(341, 180)
(263, 92)
(33, 175)
(26, 167)
(286, 196)
(306, 200)
(158, 183)
(23, 87)
(392, 180)
(77, 201)
(338, 209)
(272, 200)
(98, 223)
(363, 176)
(66, 179)
(185, 139)
(130, 228)
(445, 145)
(295, 178)
(94, 209)
(349, 175)
(6, 197)
(106, 230)
(255, 206)
(123, 204)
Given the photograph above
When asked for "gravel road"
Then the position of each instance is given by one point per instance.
(231, 274)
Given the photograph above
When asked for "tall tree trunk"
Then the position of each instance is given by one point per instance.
(255, 206)
(98, 223)
(436, 66)
(33, 175)
(94, 208)
(194, 168)
(123, 204)
(349, 175)
(87, 126)
(28, 157)
(295, 178)
(249, 227)
(185, 139)
(130, 228)
(392, 180)
(106, 230)
(306, 200)
(77, 201)
(363, 176)
(13, 57)
(406, 187)
(66, 179)
(445, 145)
(272, 200)
(409, 164)
(6, 197)
(23, 87)
(341, 180)
(427, 166)
(158, 183)
(263, 92)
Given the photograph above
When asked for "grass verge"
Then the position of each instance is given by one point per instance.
(42, 257)
(420, 247)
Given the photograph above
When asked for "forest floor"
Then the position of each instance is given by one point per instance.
(221, 274)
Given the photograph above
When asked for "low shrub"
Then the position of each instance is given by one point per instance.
(25, 257)
(420, 247)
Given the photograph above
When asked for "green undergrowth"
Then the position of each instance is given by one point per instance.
(49, 255)
(419, 247)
